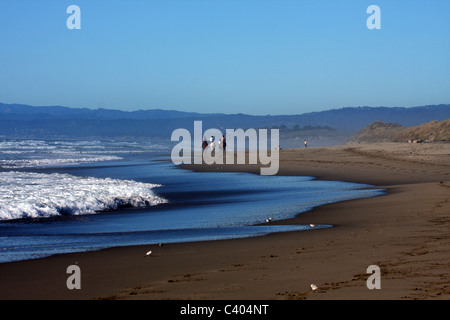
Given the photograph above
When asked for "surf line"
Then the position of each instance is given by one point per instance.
(258, 148)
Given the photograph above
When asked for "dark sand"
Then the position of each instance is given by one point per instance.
(405, 233)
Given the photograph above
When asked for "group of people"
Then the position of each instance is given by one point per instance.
(222, 143)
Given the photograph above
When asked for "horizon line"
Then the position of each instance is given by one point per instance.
(219, 113)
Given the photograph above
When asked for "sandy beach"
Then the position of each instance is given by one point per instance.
(404, 232)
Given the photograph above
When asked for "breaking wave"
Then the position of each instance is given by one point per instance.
(39, 195)
(35, 163)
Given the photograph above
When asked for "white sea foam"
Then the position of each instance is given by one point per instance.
(38, 195)
(36, 153)
(15, 154)
(35, 163)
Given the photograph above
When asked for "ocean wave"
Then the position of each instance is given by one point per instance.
(33, 146)
(35, 163)
(38, 195)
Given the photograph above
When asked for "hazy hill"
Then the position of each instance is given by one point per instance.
(377, 131)
(433, 131)
(322, 128)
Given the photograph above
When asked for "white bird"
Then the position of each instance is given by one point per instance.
(148, 253)
(269, 220)
(312, 225)
(313, 287)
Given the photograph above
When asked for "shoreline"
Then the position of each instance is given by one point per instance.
(402, 231)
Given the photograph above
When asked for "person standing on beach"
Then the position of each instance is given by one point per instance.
(306, 143)
(212, 145)
(224, 144)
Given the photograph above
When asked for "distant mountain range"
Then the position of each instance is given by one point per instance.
(322, 128)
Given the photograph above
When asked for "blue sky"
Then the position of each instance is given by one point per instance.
(231, 56)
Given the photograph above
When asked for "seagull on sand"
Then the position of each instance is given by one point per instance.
(314, 287)
(148, 253)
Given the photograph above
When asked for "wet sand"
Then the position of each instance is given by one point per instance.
(404, 232)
